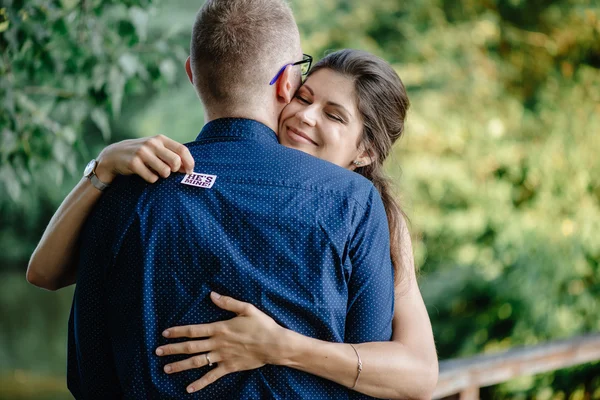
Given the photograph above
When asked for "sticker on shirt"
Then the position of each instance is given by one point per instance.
(199, 180)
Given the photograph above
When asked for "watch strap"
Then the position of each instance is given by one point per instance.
(97, 183)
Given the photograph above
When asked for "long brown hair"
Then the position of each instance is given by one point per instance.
(383, 103)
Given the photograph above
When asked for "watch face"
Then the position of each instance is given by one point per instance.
(89, 168)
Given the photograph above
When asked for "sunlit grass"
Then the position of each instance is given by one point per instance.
(21, 385)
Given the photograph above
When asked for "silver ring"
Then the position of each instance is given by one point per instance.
(208, 360)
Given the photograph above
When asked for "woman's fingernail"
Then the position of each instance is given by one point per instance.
(216, 295)
(159, 352)
(191, 389)
(166, 333)
(168, 368)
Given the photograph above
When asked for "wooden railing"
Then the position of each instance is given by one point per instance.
(463, 377)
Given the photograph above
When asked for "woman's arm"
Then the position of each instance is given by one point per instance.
(405, 367)
(53, 262)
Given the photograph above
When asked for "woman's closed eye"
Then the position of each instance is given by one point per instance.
(302, 99)
(335, 117)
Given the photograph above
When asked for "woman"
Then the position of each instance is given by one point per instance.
(349, 111)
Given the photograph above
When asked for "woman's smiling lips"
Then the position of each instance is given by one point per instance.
(299, 136)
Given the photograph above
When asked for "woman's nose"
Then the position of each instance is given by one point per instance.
(306, 116)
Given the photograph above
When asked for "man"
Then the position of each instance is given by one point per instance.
(272, 226)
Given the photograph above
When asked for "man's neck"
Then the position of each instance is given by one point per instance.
(265, 118)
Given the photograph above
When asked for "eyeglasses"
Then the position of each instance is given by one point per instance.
(304, 64)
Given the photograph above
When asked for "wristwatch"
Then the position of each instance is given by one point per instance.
(90, 173)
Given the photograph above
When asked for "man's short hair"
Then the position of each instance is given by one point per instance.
(239, 45)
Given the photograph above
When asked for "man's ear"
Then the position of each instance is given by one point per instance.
(287, 84)
(364, 158)
(188, 70)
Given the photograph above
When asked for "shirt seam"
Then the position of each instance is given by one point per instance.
(117, 247)
(213, 139)
(249, 180)
(254, 181)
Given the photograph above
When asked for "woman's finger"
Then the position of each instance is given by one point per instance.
(197, 361)
(192, 331)
(210, 377)
(173, 160)
(189, 347)
(151, 160)
(187, 161)
(231, 304)
(138, 167)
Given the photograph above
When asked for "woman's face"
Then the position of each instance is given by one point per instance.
(323, 119)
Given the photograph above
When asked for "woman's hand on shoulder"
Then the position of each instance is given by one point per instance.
(150, 158)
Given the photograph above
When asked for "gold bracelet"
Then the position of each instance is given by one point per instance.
(358, 366)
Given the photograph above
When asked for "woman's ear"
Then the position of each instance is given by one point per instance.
(365, 157)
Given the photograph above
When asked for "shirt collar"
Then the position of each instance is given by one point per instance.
(237, 127)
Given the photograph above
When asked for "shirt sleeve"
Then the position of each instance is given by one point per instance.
(371, 285)
(92, 370)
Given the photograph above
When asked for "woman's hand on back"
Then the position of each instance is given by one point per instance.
(150, 158)
(247, 341)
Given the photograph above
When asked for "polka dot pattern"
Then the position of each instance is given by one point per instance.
(302, 239)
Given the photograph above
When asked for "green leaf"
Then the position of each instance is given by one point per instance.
(69, 134)
(11, 183)
(139, 19)
(168, 70)
(4, 22)
(8, 141)
(116, 86)
(61, 150)
(59, 175)
(99, 76)
(69, 4)
(71, 163)
(21, 171)
(129, 64)
(100, 118)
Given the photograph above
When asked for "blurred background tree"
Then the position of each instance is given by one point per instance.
(498, 170)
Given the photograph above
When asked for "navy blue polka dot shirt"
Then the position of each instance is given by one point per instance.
(304, 240)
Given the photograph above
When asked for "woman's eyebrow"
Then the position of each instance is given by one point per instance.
(330, 103)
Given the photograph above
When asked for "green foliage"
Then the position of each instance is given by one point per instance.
(499, 168)
(65, 63)
(68, 68)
